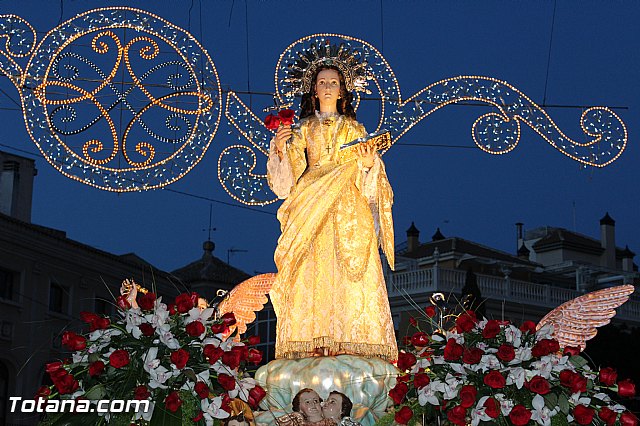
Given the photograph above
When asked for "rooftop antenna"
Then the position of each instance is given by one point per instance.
(210, 220)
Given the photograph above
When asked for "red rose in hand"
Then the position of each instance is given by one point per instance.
(141, 392)
(406, 361)
(231, 359)
(491, 330)
(626, 388)
(457, 415)
(608, 376)
(539, 385)
(420, 380)
(173, 402)
(195, 328)
(608, 416)
(494, 380)
(73, 341)
(452, 350)
(468, 395)
(147, 329)
(420, 339)
(287, 116)
(119, 358)
(492, 408)
(220, 328)
(430, 311)
(571, 350)
(184, 303)
(256, 394)
(403, 415)
(202, 390)
(628, 419)
(519, 415)
(272, 122)
(180, 358)
(528, 327)
(254, 340)
(146, 301)
(399, 392)
(212, 353)
(96, 368)
(506, 352)
(472, 356)
(466, 321)
(583, 415)
(255, 356)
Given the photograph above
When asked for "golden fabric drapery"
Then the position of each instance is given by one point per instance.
(330, 291)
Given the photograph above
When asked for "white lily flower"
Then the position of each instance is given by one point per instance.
(513, 335)
(522, 354)
(545, 332)
(478, 413)
(167, 337)
(211, 410)
(450, 388)
(490, 362)
(540, 413)
(243, 387)
(506, 405)
(516, 376)
(199, 314)
(150, 361)
(146, 415)
(133, 319)
(458, 337)
(159, 376)
(427, 394)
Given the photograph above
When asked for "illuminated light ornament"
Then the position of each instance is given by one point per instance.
(496, 132)
(116, 98)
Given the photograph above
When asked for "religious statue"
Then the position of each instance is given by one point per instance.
(307, 411)
(338, 407)
(329, 295)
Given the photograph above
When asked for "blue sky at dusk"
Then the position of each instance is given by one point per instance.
(593, 59)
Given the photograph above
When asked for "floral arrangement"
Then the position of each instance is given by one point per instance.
(492, 372)
(178, 357)
(284, 117)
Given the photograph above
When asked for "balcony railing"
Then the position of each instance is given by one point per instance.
(409, 283)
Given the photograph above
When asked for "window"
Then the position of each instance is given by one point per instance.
(9, 281)
(265, 327)
(58, 298)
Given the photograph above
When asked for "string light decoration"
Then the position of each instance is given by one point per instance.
(159, 100)
(496, 132)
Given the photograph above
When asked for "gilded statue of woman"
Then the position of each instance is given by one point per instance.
(329, 295)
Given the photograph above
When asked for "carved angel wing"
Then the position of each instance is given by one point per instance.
(246, 299)
(574, 322)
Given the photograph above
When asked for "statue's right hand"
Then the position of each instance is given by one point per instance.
(282, 136)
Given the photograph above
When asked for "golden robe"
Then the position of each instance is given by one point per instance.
(330, 290)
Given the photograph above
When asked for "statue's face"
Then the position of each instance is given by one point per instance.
(332, 407)
(310, 406)
(328, 87)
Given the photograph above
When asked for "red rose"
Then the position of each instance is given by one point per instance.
(628, 419)
(195, 328)
(96, 368)
(202, 390)
(287, 115)
(420, 339)
(219, 328)
(123, 303)
(146, 301)
(583, 415)
(53, 366)
(403, 415)
(466, 321)
(413, 321)
(608, 376)
(226, 401)
(399, 392)
(256, 394)
(430, 311)
(228, 319)
(255, 356)
(141, 392)
(506, 352)
(56, 374)
(457, 415)
(231, 359)
(472, 356)
(571, 350)
(574, 381)
(180, 358)
(545, 347)
(147, 329)
(403, 378)
(184, 303)
(528, 327)
(452, 350)
(254, 340)
(73, 341)
(468, 396)
(492, 408)
(272, 122)
(420, 380)
(539, 385)
(626, 388)
(212, 353)
(95, 321)
(119, 358)
(519, 415)
(491, 330)
(173, 402)
(494, 380)
(608, 416)
(242, 350)
(66, 384)
(172, 309)
(406, 361)
(43, 391)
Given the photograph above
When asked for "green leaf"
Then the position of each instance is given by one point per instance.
(73, 419)
(164, 417)
(551, 400)
(563, 403)
(578, 361)
(95, 393)
(559, 420)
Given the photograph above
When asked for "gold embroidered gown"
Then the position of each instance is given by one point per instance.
(330, 291)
